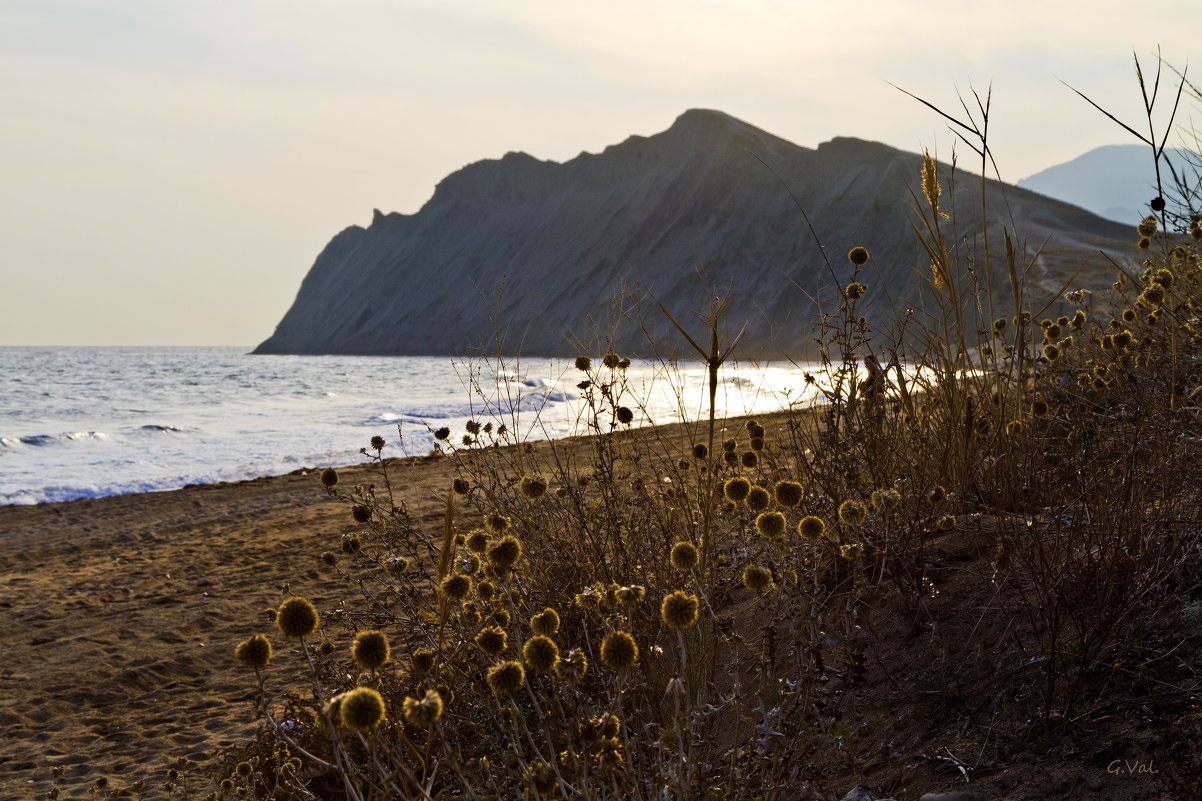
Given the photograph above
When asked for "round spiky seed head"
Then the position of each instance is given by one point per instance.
(254, 651)
(679, 609)
(758, 499)
(736, 489)
(731, 458)
(684, 556)
(757, 579)
(573, 667)
(624, 415)
(999, 325)
(749, 459)
(855, 290)
(456, 586)
(545, 622)
(619, 650)
(506, 677)
(442, 434)
(701, 451)
(1040, 408)
(858, 255)
(730, 445)
(946, 522)
(486, 590)
(540, 653)
(505, 553)
(533, 487)
(425, 712)
(788, 493)
(351, 543)
(886, 500)
(611, 360)
(1051, 352)
(852, 551)
(296, 617)
(496, 522)
(329, 478)
(328, 558)
(460, 486)
(423, 660)
(477, 541)
(396, 565)
(370, 650)
(492, 640)
(938, 494)
(361, 513)
(770, 524)
(362, 709)
(852, 513)
(1158, 203)
(754, 429)
(243, 769)
(377, 443)
(811, 527)
(501, 617)
(584, 364)
(756, 444)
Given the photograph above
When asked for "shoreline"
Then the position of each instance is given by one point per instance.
(124, 611)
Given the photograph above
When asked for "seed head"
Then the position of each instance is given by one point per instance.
(370, 649)
(619, 650)
(396, 565)
(858, 255)
(749, 459)
(855, 290)
(492, 640)
(701, 451)
(329, 478)
(788, 493)
(423, 713)
(545, 622)
(361, 709)
(736, 489)
(460, 486)
(852, 513)
(679, 609)
(540, 653)
(852, 551)
(811, 527)
(497, 522)
(584, 364)
(254, 652)
(757, 579)
(573, 667)
(361, 513)
(456, 586)
(377, 443)
(758, 499)
(533, 487)
(886, 500)
(770, 524)
(296, 617)
(423, 660)
(684, 556)
(624, 415)
(505, 553)
(506, 677)
(611, 360)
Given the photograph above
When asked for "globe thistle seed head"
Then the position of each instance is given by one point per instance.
(496, 522)
(377, 443)
(296, 617)
(679, 609)
(1051, 352)
(852, 551)
(852, 513)
(937, 495)
(505, 553)
(545, 622)
(788, 493)
(1152, 296)
(736, 489)
(684, 556)
(492, 640)
(945, 522)
(749, 459)
(361, 513)
(425, 712)
(396, 565)
(757, 579)
(501, 618)
(701, 451)
(731, 458)
(573, 666)
(442, 434)
(730, 445)
(477, 540)
(328, 558)
(254, 652)
(361, 709)
(423, 660)
(472, 427)
(619, 650)
(460, 486)
(1040, 408)
(886, 500)
(584, 364)
(858, 255)
(533, 487)
(370, 649)
(507, 677)
(351, 543)
(611, 360)
(329, 478)
(754, 428)
(1147, 226)
(456, 586)
(1051, 332)
(999, 325)
(486, 590)
(540, 653)
(770, 524)
(855, 290)
(758, 499)
(756, 444)
(630, 595)
(625, 415)
(811, 527)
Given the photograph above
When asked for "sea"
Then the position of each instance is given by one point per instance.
(85, 422)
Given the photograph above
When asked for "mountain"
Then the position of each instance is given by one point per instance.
(535, 251)
(1114, 181)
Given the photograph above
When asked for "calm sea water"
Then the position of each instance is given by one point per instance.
(86, 422)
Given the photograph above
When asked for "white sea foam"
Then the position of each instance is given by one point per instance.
(87, 422)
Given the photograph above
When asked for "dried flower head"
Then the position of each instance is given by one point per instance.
(425, 712)
(254, 652)
(770, 524)
(396, 565)
(456, 586)
(573, 666)
(545, 622)
(329, 478)
(852, 551)
(533, 487)
(540, 653)
(377, 443)
(855, 290)
(506, 677)
(758, 499)
(625, 415)
(361, 513)
(736, 489)
(684, 556)
(460, 486)
(619, 650)
(852, 513)
(858, 255)
(584, 364)
(505, 553)
(788, 493)
(370, 649)
(423, 660)
(361, 709)
(296, 617)
(679, 610)
(811, 527)
(496, 522)
(757, 579)
(477, 540)
(886, 500)
(611, 360)
(701, 451)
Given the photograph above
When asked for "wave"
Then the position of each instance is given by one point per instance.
(161, 428)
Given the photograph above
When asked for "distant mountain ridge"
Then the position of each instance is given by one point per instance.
(1117, 182)
(537, 249)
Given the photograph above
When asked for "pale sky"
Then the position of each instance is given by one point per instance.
(170, 169)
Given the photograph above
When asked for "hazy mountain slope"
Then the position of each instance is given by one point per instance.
(1114, 181)
(539, 248)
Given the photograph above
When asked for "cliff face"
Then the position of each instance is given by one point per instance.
(535, 251)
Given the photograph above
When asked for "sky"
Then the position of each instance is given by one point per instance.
(170, 169)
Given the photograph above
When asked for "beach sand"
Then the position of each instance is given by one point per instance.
(121, 616)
